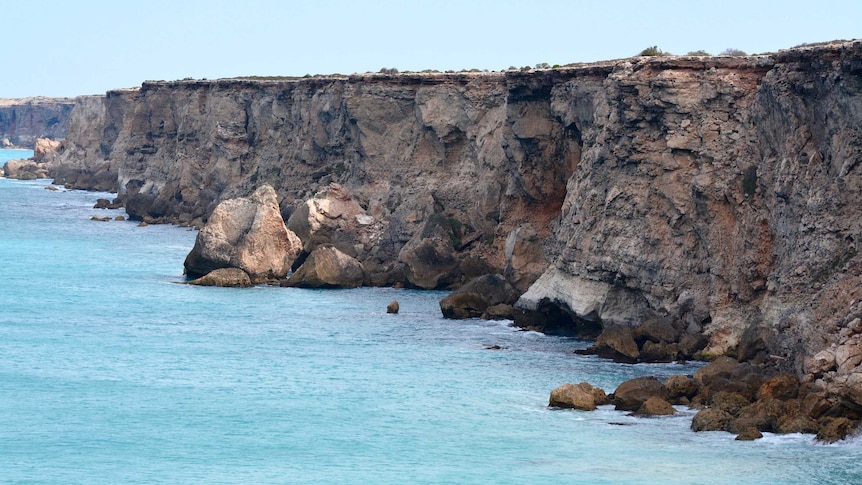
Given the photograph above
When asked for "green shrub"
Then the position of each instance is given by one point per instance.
(732, 52)
(653, 51)
(699, 53)
(749, 180)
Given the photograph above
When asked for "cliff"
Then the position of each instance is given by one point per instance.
(710, 196)
(24, 120)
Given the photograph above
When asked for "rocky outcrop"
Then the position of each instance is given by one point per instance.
(717, 196)
(24, 120)
(245, 233)
(24, 170)
(475, 298)
(224, 277)
(327, 267)
(581, 396)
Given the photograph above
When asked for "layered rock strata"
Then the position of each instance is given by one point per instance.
(713, 198)
(24, 120)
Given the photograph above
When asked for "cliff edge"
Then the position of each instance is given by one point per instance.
(714, 200)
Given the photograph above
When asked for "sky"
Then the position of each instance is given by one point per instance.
(70, 48)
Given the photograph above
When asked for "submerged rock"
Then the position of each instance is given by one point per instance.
(225, 277)
(246, 233)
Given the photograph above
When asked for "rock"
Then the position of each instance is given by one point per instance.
(782, 387)
(44, 148)
(616, 342)
(848, 357)
(474, 298)
(836, 429)
(730, 402)
(392, 307)
(525, 259)
(823, 361)
(429, 256)
(749, 434)
(710, 419)
(119, 218)
(102, 204)
(679, 387)
(100, 219)
(500, 311)
(581, 396)
(332, 217)
(631, 394)
(719, 368)
(327, 267)
(246, 233)
(5, 143)
(655, 330)
(226, 277)
(51, 188)
(24, 170)
(655, 406)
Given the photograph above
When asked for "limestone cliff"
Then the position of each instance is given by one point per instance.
(24, 120)
(711, 196)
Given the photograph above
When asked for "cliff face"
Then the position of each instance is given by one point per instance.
(717, 195)
(24, 120)
(724, 196)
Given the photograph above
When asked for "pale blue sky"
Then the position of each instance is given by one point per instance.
(68, 48)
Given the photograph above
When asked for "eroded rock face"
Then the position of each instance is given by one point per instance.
(246, 233)
(474, 298)
(22, 121)
(581, 396)
(717, 194)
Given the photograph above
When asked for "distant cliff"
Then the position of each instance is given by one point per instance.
(718, 196)
(24, 120)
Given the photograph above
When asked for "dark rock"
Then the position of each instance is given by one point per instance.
(730, 402)
(679, 387)
(473, 299)
(631, 394)
(749, 434)
(711, 419)
(429, 256)
(501, 311)
(225, 277)
(655, 406)
(393, 307)
(100, 219)
(616, 342)
(836, 429)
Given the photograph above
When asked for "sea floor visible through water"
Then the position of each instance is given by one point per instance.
(113, 371)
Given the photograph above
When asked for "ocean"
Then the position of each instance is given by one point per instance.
(113, 371)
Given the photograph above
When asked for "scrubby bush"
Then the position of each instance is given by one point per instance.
(732, 52)
(653, 51)
(388, 70)
(699, 53)
(543, 65)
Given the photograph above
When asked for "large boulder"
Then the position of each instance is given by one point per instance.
(224, 277)
(333, 217)
(246, 233)
(581, 396)
(327, 267)
(44, 149)
(616, 342)
(24, 170)
(473, 299)
(631, 394)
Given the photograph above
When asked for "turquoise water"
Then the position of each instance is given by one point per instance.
(113, 372)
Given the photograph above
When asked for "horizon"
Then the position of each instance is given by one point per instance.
(91, 47)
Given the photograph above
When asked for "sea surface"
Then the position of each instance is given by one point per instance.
(113, 371)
